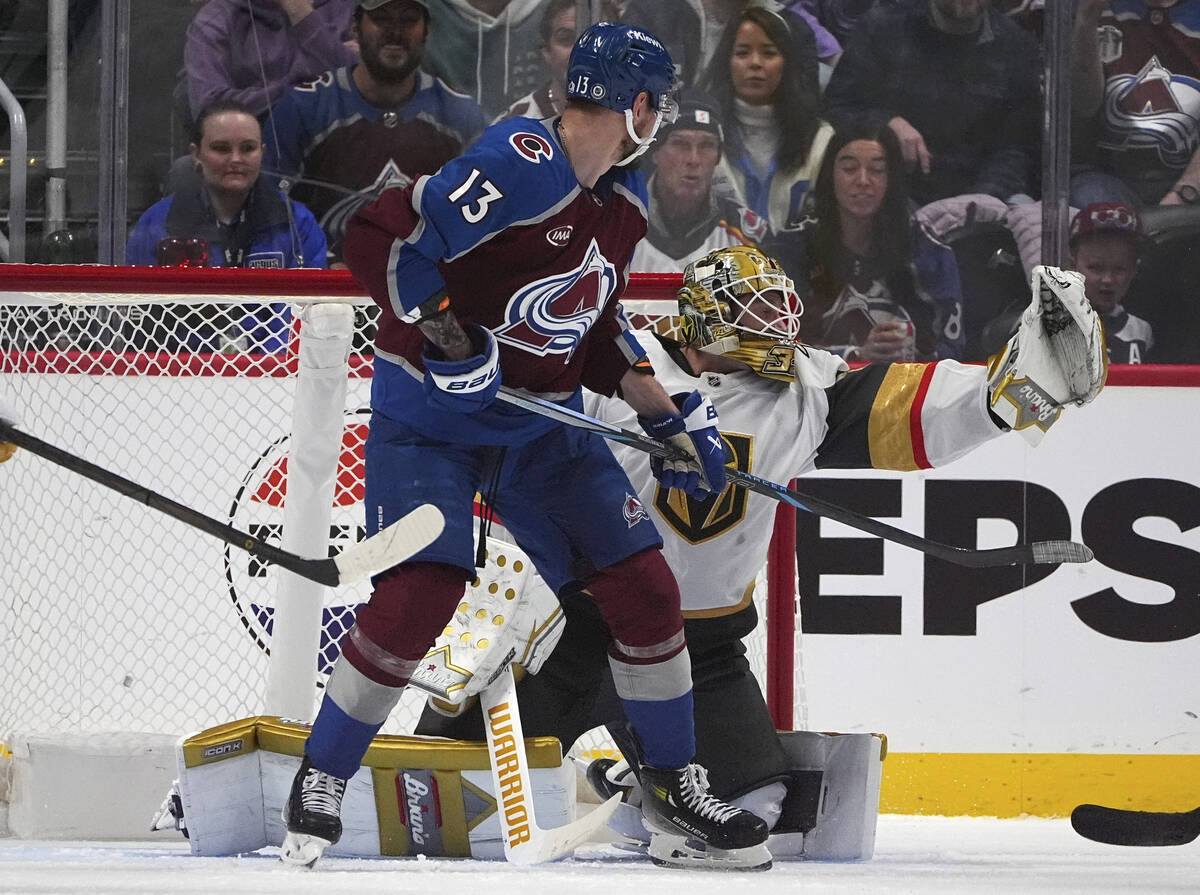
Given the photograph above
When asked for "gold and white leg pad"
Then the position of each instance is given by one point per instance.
(1057, 356)
(507, 615)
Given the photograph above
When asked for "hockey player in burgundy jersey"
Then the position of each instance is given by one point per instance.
(787, 409)
(509, 262)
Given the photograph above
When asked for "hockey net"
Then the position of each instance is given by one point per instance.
(118, 618)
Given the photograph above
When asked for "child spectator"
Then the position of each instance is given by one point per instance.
(1105, 241)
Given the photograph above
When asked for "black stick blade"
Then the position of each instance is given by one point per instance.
(1117, 826)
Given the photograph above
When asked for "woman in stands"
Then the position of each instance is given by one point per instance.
(774, 140)
(225, 215)
(876, 285)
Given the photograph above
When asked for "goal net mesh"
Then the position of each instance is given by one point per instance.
(114, 616)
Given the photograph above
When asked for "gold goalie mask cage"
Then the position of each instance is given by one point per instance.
(739, 303)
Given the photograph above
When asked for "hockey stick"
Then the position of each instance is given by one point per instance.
(381, 551)
(524, 841)
(1119, 826)
(1021, 554)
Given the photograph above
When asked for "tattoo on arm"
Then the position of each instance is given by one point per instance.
(439, 325)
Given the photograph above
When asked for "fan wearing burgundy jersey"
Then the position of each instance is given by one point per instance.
(343, 138)
(510, 262)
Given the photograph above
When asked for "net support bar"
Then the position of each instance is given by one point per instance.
(314, 450)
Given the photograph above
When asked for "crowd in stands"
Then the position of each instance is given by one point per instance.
(857, 141)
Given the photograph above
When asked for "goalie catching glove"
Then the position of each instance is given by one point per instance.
(694, 431)
(1056, 356)
(463, 386)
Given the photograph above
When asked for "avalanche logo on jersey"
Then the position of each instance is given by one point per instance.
(633, 511)
(1153, 110)
(333, 222)
(697, 521)
(552, 315)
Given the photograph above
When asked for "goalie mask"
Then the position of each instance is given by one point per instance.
(739, 303)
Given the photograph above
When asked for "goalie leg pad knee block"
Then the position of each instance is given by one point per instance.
(407, 611)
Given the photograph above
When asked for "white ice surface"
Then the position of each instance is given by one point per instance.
(912, 855)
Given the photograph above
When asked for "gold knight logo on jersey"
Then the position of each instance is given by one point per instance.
(697, 521)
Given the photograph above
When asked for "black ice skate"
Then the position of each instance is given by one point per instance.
(312, 814)
(689, 827)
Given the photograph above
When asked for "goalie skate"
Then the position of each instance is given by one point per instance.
(690, 828)
(312, 814)
(1056, 356)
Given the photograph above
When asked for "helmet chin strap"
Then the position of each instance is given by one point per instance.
(642, 145)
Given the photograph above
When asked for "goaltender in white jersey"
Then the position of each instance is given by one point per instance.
(787, 409)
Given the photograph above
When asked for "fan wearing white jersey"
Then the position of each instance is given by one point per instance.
(786, 409)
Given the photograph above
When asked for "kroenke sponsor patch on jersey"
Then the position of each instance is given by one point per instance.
(633, 511)
(420, 812)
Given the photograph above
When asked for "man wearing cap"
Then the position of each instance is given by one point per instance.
(1105, 244)
(343, 138)
(686, 219)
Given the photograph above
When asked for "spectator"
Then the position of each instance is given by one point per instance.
(876, 285)
(241, 219)
(490, 49)
(1137, 66)
(354, 132)
(773, 138)
(836, 16)
(1105, 245)
(254, 51)
(558, 31)
(693, 28)
(958, 84)
(685, 217)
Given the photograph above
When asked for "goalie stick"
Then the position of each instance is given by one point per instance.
(381, 551)
(524, 841)
(1120, 826)
(1021, 554)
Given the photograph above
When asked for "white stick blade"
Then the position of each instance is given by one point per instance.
(392, 546)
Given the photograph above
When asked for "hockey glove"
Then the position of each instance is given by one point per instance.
(1057, 356)
(694, 430)
(463, 386)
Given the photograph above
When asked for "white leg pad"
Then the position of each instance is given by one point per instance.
(852, 767)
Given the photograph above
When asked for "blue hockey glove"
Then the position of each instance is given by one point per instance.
(694, 430)
(463, 386)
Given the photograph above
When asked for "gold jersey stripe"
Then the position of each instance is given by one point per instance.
(890, 428)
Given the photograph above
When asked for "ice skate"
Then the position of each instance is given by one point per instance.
(312, 814)
(691, 828)
(608, 778)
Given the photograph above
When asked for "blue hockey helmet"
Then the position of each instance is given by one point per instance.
(612, 63)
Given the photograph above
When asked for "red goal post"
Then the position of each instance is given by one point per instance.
(182, 379)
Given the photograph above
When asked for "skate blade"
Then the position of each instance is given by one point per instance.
(668, 850)
(302, 850)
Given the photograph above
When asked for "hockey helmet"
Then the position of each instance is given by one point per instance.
(611, 63)
(739, 303)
